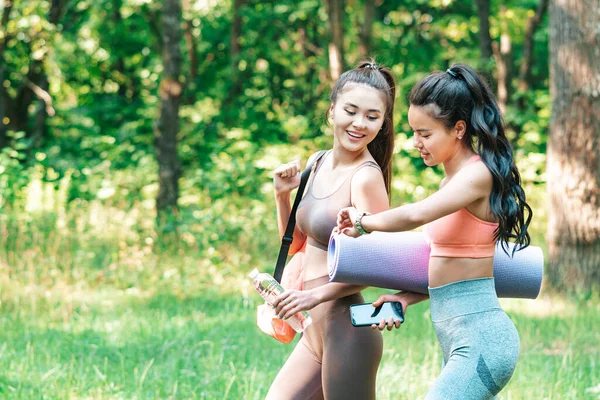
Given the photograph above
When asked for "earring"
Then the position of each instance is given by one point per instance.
(460, 137)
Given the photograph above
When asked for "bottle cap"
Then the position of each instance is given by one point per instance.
(253, 273)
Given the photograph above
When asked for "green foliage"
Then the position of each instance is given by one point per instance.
(240, 117)
(13, 173)
(103, 63)
(95, 303)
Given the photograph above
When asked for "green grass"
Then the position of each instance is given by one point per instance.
(96, 310)
(105, 343)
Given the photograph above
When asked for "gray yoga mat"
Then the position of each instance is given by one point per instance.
(399, 261)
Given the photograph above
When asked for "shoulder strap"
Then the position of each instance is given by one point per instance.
(473, 159)
(287, 239)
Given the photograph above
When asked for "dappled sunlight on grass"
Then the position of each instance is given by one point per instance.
(550, 304)
(542, 307)
(108, 309)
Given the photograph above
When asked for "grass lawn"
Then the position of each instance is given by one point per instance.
(178, 341)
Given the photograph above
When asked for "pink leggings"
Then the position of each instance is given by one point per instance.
(333, 359)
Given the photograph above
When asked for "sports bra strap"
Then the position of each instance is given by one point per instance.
(473, 159)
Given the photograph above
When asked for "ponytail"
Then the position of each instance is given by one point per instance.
(461, 94)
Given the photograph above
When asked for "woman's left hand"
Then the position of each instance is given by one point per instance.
(346, 221)
(292, 301)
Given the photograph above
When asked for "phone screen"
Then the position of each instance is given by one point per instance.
(367, 315)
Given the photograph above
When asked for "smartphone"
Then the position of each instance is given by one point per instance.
(367, 315)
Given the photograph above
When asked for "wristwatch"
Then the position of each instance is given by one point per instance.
(357, 222)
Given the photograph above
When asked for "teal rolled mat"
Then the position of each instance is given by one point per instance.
(399, 260)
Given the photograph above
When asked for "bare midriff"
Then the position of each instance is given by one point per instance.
(444, 270)
(315, 262)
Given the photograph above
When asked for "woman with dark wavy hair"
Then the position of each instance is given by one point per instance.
(457, 123)
(334, 360)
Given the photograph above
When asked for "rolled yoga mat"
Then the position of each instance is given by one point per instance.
(399, 260)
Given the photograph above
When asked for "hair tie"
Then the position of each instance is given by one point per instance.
(372, 66)
(452, 73)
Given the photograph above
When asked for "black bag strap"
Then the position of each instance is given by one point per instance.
(287, 239)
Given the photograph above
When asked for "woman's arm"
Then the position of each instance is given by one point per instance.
(292, 301)
(285, 179)
(282, 201)
(470, 184)
(368, 192)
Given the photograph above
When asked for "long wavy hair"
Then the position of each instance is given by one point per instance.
(380, 78)
(461, 94)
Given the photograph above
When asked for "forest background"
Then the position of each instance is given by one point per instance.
(137, 142)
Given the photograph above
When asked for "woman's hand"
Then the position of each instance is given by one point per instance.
(292, 301)
(401, 297)
(346, 222)
(286, 177)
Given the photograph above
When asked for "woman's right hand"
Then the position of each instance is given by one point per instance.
(287, 177)
(405, 298)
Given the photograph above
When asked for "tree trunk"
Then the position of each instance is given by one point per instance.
(119, 66)
(165, 133)
(335, 11)
(237, 78)
(364, 37)
(192, 54)
(503, 56)
(56, 10)
(532, 25)
(573, 167)
(19, 113)
(236, 31)
(485, 40)
(4, 97)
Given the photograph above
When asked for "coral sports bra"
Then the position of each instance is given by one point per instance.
(461, 234)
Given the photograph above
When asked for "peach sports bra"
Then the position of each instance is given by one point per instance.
(461, 234)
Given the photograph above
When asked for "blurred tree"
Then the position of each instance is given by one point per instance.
(33, 83)
(365, 35)
(533, 23)
(513, 90)
(335, 13)
(503, 56)
(485, 39)
(192, 53)
(255, 77)
(167, 126)
(574, 146)
(4, 97)
(234, 47)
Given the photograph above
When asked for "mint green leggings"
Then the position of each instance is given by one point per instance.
(479, 342)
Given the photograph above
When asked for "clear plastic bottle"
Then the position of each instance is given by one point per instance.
(269, 289)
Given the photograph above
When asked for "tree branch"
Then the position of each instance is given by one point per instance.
(42, 95)
(8, 5)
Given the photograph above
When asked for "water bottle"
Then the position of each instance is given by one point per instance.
(269, 289)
